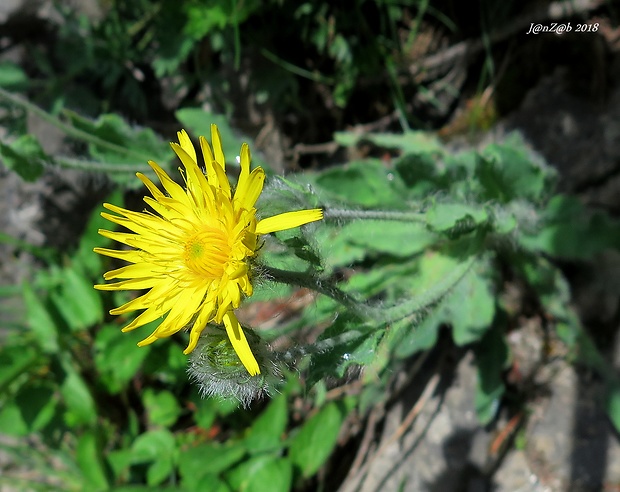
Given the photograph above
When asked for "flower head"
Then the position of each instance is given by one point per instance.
(215, 368)
(193, 253)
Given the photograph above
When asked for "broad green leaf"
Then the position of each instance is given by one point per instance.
(570, 231)
(508, 171)
(368, 183)
(316, 439)
(262, 473)
(162, 407)
(268, 428)
(16, 360)
(457, 218)
(423, 175)
(119, 461)
(120, 143)
(206, 460)
(205, 410)
(335, 360)
(470, 308)
(40, 321)
(415, 142)
(117, 358)
(24, 156)
(419, 338)
(77, 301)
(89, 457)
(165, 361)
(612, 403)
(12, 422)
(337, 249)
(157, 447)
(401, 239)
(548, 282)
(152, 445)
(81, 409)
(389, 276)
(37, 403)
(491, 357)
(12, 76)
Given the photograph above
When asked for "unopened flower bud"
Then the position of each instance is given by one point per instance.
(217, 370)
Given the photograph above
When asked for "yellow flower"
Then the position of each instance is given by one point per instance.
(193, 252)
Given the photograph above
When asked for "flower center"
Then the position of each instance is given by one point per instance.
(207, 252)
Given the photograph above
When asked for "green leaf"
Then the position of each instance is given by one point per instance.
(367, 183)
(507, 171)
(11, 420)
(267, 430)
(162, 407)
(77, 301)
(570, 231)
(612, 403)
(419, 338)
(393, 238)
(491, 358)
(207, 460)
(16, 360)
(423, 175)
(37, 403)
(455, 217)
(470, 308)
(337, 247)
(12, 76)
(335, 360)
(263, 473)
(40, 321)
(152, 445)
(410, 142)
(117, 358)
(24, 156)
(80, 405)
(157, 447)
(120, 143)
(316, 439)
(89, 457)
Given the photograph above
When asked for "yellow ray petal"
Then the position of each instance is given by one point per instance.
(246, 196)
(131, 284)
(207, 155)
(151, 314)
(124, 254)
(222, 180)
(186, 144)
(216, 141)
(174, 189)
(137, 270)
(200, 324)
(288, 220)
(240, 343)
(196, 181)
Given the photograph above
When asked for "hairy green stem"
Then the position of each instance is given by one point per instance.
(319, 285)
(335, 214)
(373, 311)
(322, 345)
(68, 129)
(103, 167)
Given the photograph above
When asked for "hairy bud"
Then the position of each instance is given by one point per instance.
(217, 370)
